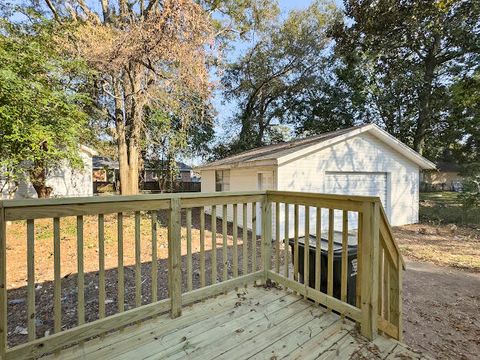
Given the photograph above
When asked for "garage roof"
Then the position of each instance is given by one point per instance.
(277, 154)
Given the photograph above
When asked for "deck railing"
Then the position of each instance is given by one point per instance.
(245, 257)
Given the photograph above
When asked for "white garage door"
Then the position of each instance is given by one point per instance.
(357, 183)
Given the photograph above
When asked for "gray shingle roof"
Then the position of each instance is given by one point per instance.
(276, 151)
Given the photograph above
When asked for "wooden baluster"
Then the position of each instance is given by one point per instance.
(120, 269)
(225, 244)
(80, 273)
(31, 279)
(154, 267)
(138, 261)
(331, 233)
(266, 236)
(358, 278)
(175, 258)
(189, 250)
(380, 281)
(295, 243)
(214, 244)
(245, 239)
(277, 237)
(318, 249)
(101, 266)
(235, 241)
(3, 282)
(306, 249)
(57, 292)
(370, 261)
(396, 278)
(386, 288)
(254, 236)
(344, 275)
(202, 247)
(286, 240)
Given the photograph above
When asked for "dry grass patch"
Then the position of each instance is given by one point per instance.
(446, 245)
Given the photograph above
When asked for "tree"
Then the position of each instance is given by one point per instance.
(41, 121)
(272, 81)
(408, 53)
(149, 56)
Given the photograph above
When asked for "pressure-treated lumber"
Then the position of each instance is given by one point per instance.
(370, 261)
(174, 258)
(31, 279)
(80, 273)
(214, 245)
(235, 240)
(202, 246)
(154, 268)
(101, 266)
(120, 269)
(138, 262)
(189, 250)
(57, 282)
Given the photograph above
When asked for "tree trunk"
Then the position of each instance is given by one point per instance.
(38, 178)
(425, 99)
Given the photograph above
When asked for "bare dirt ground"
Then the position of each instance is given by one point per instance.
(445, 245)
(441, 308)
(17, 272)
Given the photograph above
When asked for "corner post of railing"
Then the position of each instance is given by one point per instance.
(3, 282)
(370, 262)
(174, 258)
(266, 234)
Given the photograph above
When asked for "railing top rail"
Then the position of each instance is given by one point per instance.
(16, 203)
(359, 198)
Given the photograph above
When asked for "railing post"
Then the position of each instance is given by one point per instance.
(174, 258)
(3, 282)
(369, 280)
(266, 235)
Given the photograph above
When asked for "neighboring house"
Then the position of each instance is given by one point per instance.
(185, 173)
(106, 171)
(445, 178)
(65, 181)
(363, 160)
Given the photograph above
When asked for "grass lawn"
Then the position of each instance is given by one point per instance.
(445, 208)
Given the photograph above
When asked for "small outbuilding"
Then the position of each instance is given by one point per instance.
(362, 160)
(63, 180)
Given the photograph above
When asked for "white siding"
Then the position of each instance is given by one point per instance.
(64, 181)
(240, 180)
(363, 153)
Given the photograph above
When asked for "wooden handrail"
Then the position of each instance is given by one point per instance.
(375, 234)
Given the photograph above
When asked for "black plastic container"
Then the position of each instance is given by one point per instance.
(337, 266)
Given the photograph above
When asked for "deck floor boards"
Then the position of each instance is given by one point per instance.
(252, 323)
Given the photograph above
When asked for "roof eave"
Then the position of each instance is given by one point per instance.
(237, 165)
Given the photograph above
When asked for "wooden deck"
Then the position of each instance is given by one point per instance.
(256, 322)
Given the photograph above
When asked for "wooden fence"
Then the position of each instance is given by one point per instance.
(268, 257)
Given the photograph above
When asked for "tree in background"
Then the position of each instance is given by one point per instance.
(274, 79)
(150, 57)
(405, 55)
(41, 121)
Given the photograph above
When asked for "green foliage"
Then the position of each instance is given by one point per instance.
(41, 122)
(272, 80)
(405, 56)
(470, 195)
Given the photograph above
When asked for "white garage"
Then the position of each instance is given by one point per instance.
(363, 160)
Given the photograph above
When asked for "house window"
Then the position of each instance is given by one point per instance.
(222, 180)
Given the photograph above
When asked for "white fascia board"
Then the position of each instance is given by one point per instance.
(237, 165)
(403, 149)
